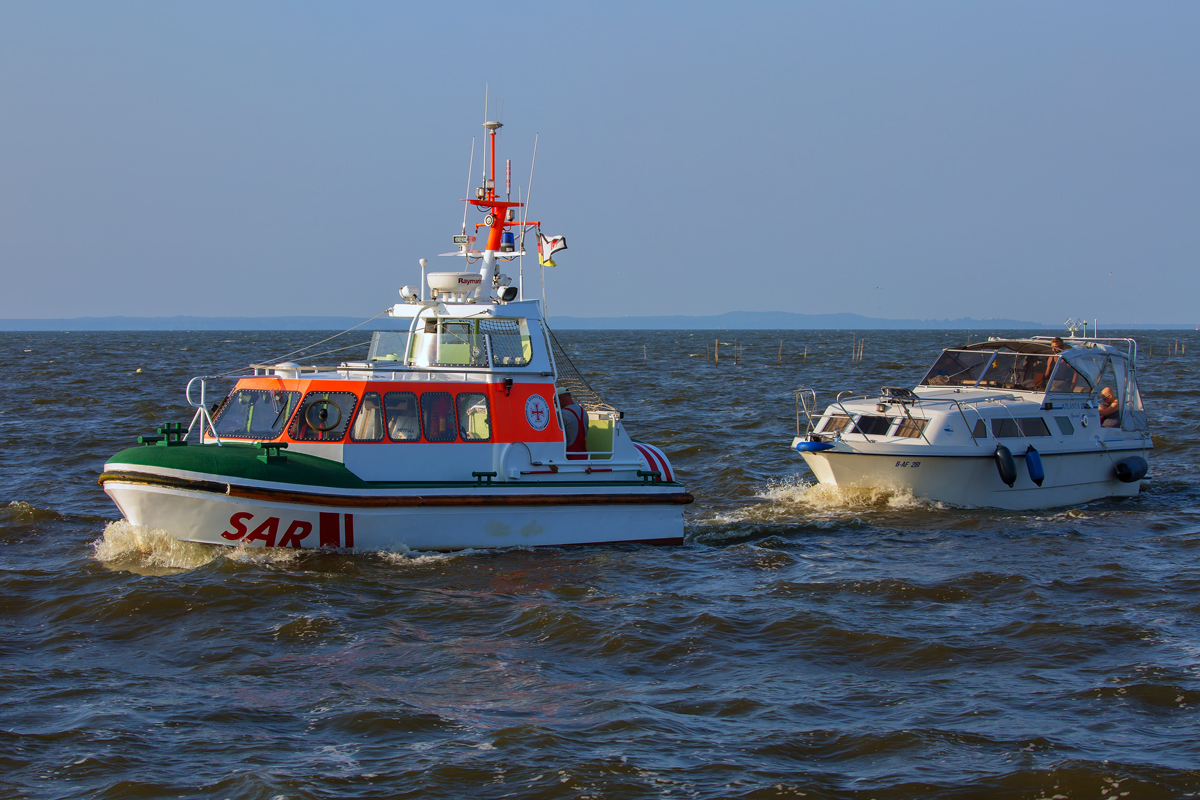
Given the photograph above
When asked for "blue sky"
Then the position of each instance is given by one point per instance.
(916, 160)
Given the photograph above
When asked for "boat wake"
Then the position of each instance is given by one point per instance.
(792, 501)
(784, 499)
(794, 493)
(149, 551)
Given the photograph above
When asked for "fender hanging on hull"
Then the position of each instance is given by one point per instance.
(1005, 465)
(1033, 463)
(1132, 469)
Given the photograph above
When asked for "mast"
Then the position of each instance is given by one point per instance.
(499, 212)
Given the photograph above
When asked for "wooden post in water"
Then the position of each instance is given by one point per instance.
(805, 354)
(735, 352)
(717, 351)
(781, 352)
(643, 354)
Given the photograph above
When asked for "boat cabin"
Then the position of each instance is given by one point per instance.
(468, 390)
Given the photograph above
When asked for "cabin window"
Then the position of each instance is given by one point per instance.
(368, 423)
(980, 430)
(1033, 426)
(403, 421)
(450, 343)
(387, 346)
(1064, 425)
(256, 414)
(871, 425)
(1008, 428)
(835, 423)
(1067, 381)
(323, 417)
(957, 368)
(509, 340)
(911, 428)
(437, 417)
(474, 417)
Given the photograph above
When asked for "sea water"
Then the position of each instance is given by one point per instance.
(805, 641)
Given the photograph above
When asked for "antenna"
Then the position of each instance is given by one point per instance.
(466, 203)
(485, 101)
(508, 179)
(521, 258)
(524, 219)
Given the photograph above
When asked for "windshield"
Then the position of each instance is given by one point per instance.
(473, 343)
(957, 368)
(255, 414)
(1017, 371)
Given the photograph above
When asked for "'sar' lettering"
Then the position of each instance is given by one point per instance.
(298, 530)
(265, 532)
(238, 523)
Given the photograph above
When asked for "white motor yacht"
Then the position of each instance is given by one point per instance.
(1006, 423)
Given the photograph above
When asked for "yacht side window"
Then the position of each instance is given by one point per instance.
(403, 421)
(323, 417)
(1009, 428)
(835, 423)
(437, 417)
(1064, 425)
(980, 430)
(910, 428)
(871, 425)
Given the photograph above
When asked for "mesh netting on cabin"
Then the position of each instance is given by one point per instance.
(571, 379)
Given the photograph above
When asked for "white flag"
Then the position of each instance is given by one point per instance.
(548, 246)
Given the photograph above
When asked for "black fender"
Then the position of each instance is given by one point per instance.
(1132, 469)
(1005, 465)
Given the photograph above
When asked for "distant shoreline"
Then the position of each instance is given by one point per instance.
(734, 320)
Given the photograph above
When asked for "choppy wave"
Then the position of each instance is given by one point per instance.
(20, 512)
(808, 641)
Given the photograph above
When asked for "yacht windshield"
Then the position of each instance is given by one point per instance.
(957, 368)
(1017, 371)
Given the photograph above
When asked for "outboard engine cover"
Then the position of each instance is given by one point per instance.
(1005, 465)
(1132, 469)
(1033, 463)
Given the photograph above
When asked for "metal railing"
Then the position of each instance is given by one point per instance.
(202, 414)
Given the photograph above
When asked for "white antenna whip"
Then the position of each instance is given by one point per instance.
(524, 219)
(466, 201)
(521, 259)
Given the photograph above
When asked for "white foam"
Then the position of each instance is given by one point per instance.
(148, 550)
(151, 551)
(787, 498)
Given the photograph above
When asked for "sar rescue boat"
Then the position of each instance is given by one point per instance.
(467, 427)
(1008, 423)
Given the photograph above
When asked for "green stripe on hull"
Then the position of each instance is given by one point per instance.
(241, 462)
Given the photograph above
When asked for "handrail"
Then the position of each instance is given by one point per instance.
(802, 397)
(853, 424)
(201, 410)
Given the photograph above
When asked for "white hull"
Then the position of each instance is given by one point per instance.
(974, 482)
(211, 518)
